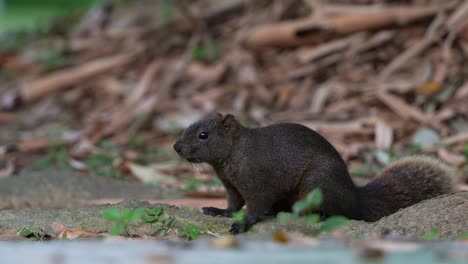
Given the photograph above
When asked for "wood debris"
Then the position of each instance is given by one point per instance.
(367, 74)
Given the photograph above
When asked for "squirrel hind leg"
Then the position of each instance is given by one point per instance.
(403, 183)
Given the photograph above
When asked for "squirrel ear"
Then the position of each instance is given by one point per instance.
(228, 124)
(216, 116)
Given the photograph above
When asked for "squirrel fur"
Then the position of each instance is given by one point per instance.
(270, 168)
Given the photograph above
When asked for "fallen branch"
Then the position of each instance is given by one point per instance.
(461, 137)
(402, 108)
(63, 79)
(313, 31)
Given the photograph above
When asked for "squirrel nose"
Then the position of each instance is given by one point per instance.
(178, 146)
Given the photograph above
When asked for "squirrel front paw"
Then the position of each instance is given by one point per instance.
(236, 229)
(213, 211)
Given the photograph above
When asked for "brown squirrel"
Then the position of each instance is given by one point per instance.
(270, 168)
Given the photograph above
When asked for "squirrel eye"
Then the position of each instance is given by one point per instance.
(203, 135)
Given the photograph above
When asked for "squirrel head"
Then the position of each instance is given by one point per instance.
(209, 140)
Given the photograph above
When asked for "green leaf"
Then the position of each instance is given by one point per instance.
(149, 211)
(111, 214)
(285, 218)
(149, 218)
(25, 232)
(64, 236)
(312, 219)
(333, 223)
(465, 150)
(239, 217)
(299, 207)
(432, 234)
(46, 162)
(117, 229)
(463, 236)
(136, 214)
(158, 211)
(314, 199)
(162, 232)
(126, 214)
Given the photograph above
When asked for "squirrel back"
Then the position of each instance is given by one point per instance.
(402, 183)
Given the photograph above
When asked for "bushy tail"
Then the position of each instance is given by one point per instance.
(403, 183)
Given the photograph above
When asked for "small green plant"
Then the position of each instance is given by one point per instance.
(152, 215)
(415, 149)
(122, 219)
(102, 164)
(332, 223)
(208, 51)
(166, 10)
(191, 184)
(463, 236)
(304, 210)
(33, 233)
(56, 157)
(430, 235)
(239, 217)
(162, 224)
(52, 60)
(465, 150)
(191, 231)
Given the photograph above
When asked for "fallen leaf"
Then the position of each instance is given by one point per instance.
(293, 238)
(450, 157)
(8, 170)
(63, 232)
(204, 73)
(33, 144)
(75, 233)
(152, 173)
(383, 135)
(225, 242)
(429, 88)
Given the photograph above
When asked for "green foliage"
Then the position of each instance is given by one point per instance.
(216, 182)
(33, 233)
(20, 15)
(285, 218)
(191, 184)
(332, 223)
(209, 51)
(312, 201)
(101, 164)
(463, 236)
(122, 219)
(166, 9)
(359, 172)
(52, 60)
(465, 150)
(430, 235)
(162, 223)
(415, 149)
(152, 215)
(239, 217)
(57, 157)
(191, 231)
(302, 210)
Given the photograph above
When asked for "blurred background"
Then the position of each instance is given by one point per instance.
(102, 89)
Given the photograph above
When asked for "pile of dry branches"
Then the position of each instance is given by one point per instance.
(372, 76)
